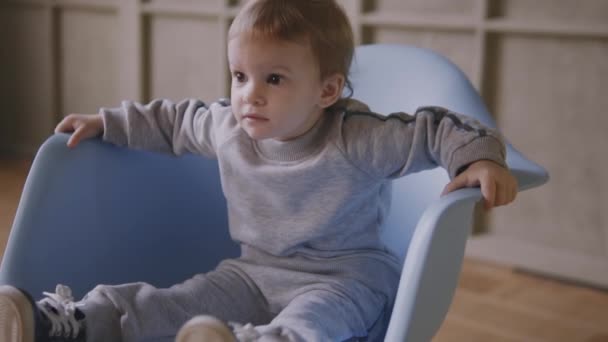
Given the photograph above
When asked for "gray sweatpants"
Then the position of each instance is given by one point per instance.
(283, 302)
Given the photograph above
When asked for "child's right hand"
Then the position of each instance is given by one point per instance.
(84, 126)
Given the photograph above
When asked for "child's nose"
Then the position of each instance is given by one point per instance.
(254, 94)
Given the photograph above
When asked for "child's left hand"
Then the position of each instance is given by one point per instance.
(498, 186)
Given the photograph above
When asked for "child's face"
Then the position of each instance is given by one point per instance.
(276, 88)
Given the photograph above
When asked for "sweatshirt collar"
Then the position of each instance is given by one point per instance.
(294, 149)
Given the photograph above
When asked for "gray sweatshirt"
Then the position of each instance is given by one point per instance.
(322, 195)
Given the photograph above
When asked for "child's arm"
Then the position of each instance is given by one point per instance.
(160, 125)
(398, 144)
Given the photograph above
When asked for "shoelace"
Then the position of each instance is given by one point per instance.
(62, 321)
(245, 332)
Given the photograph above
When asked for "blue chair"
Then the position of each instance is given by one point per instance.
(103, 214)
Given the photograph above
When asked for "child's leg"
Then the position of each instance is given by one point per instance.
(134, 311)
(326, 313)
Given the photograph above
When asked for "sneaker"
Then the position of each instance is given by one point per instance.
(52, 319)
(205, 329)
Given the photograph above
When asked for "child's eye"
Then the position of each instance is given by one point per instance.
(238, 76)
(274, 79)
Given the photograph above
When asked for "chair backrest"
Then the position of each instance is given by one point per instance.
(105, 200)
(393, 78)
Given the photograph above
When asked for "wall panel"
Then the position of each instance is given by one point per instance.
(564, 11)
(189, 66)
(26, 84)
(90, 57)
(542, 107)
(425, 7)
(457, 46)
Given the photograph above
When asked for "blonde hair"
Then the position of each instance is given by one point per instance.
(321, 23)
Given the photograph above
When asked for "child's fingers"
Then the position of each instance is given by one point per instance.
(488, 190)
(66, 125)
(503, 194)
(456, 183)
(514, 191)
(79, 133)
(506, 192)
(74, 139)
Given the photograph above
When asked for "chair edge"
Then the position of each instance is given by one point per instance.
(416, 257)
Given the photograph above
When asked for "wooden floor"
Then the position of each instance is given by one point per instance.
(12, 178)
(492, 303)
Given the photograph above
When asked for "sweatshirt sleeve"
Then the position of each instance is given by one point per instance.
(395, 145)
(164, 126)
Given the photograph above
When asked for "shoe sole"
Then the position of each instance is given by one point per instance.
(16, 316)
(205, 328)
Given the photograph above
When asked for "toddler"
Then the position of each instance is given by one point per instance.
(306, 175)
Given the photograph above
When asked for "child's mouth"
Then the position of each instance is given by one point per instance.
(254, 117)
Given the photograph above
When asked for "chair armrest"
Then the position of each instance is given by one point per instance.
(432, 267)
(528, 173)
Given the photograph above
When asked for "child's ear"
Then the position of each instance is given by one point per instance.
(332, 90)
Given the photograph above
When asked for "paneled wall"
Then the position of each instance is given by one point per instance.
(542, 67)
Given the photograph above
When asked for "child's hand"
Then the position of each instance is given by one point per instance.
(498, 186)
(84, 126)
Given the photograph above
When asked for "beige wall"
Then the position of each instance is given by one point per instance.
(542, 67)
